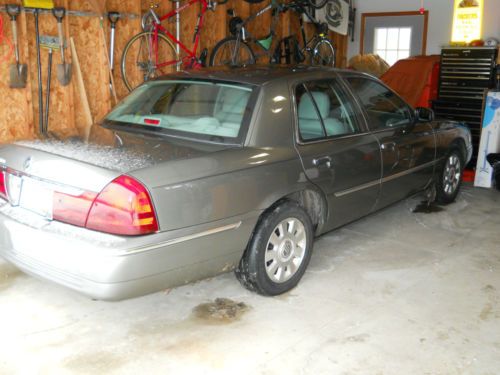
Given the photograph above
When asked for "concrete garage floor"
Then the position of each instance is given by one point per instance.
(395, 293)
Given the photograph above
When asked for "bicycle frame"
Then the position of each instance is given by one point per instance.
(191, 53)
(305, 41)
(246, 36)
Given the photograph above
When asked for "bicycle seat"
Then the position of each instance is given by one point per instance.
(322, 28)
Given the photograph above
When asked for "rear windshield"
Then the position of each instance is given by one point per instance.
(211, 111)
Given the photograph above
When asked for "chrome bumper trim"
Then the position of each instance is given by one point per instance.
(180, 239)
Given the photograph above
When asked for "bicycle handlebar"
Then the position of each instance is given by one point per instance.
(299, 6)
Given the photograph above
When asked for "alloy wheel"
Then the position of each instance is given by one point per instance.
(286, 250)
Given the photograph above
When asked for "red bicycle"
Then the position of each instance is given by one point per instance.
(153, 52)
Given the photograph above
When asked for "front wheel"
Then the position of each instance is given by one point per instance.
(323, 54)
(139, 59)
(232, 51)
(450, 178)
(279, 251)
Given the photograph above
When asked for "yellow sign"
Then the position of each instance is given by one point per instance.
(467, 21)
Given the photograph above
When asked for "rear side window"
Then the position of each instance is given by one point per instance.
(323, 111)
(384, 108)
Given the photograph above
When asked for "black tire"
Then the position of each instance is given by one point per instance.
(323, 54)
(450, 177)
(278, 252)
(137, 66)
(317, 4)
(220, 57)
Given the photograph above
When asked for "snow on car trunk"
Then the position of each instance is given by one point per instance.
(112, 158)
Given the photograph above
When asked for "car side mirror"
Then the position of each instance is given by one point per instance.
(424, 114)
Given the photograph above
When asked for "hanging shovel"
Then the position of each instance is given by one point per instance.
(18, 72)
(63, 69)
(113, 17)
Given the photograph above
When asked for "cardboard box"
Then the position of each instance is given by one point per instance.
(490, 140)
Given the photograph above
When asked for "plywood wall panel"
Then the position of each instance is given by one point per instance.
(19, 107)
(16, 120)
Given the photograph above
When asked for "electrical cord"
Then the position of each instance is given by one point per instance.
(4, 39)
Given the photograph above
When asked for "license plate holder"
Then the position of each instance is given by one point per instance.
(37, 197)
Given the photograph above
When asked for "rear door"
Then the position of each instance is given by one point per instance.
(339, 155)
(407, 146)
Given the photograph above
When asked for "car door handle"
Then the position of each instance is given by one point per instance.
(326, 160)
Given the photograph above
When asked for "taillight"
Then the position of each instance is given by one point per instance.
(72, 209)
(3, 185)
(124, 207)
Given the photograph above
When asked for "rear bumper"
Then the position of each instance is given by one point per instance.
(107, 267)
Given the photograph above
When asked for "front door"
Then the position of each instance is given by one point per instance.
(407, 147)
(339, 155)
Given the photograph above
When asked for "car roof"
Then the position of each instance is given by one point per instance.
(255, 74)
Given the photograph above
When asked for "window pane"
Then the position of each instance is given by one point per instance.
(201, 110)
(405, 38)
(391, 57)
(384, 108)
(310, 125)
(381, 53)
(336, 111)
(403, 54)
(380, 38)
(392, 38)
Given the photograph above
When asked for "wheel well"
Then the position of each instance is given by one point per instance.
(311, 201)
(459, 144)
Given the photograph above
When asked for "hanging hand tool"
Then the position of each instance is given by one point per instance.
(100, 8)
(39, 64)
(37, 5)
(113, 18)
(63, 69)
(52, 44)
(18, 72)
(47, 100)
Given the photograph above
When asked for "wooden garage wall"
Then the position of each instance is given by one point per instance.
(19, 107)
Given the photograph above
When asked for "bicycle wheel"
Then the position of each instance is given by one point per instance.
(138, 60)
(233, 52)
(317, 4)
(323, 54)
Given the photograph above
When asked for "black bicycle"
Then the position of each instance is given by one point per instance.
(237, 50)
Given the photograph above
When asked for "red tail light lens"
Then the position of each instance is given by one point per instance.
(124, 207)
(3, 185)
(72, 209)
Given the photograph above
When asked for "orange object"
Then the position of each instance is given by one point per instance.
(416, 79)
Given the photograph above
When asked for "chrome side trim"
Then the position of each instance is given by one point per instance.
(357, 188)
(180, 239)
(385, 179)
(407, 172)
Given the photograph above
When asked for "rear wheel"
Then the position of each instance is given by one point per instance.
(323, 54)
(450, 178)
(233, 52)
(139, 61)
(279, 251)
